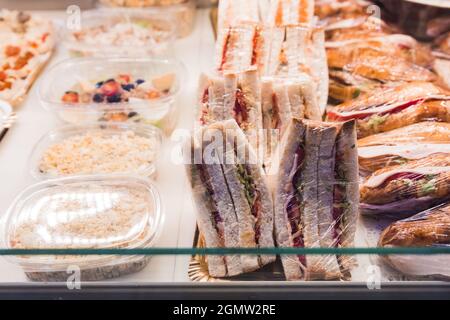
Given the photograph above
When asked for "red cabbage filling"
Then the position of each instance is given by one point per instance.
(363, 115)
(216, 218)
(294, 206)
(205, 101)
(255, 47)
(338, 212)
(276, 121)
(225, 49)
(240, 110)
(403, 175)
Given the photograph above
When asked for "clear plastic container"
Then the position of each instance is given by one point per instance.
(97, 212)
(65, 76)
(106, 33)
(109, 148)
(181, 11)
(5, 113)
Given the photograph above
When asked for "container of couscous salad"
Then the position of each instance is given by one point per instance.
(92, 90)
(96, 212)
(107, 33)
(181, 11)
(109, 148)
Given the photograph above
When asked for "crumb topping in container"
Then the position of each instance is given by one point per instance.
(96, 212)
(97, 152)
(81, 216)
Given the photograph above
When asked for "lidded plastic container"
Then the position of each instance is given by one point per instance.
(96, 212)
(182, 12)
(106, 33)
(109, 148)
(5, 113)
(89, 90)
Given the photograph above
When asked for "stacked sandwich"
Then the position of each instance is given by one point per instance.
(271, 81)
(270, 66)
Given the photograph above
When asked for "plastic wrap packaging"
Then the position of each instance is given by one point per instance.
(140, 3)
(112, 148)
(181, 12)
(394, 107)
(407, 188)
(400, 146)
(365, 53)
(287, 12)
(423, 19)
(274, 51)
(441, 49)
(96, 212)
(234, 12)
(241, 47)
(314, 207)
(232, 96)
(294, 50)
(234, 205)
(427, 229)
(27, 43)
(315, 188)
(262, 107)
(91, 90)
(115, 33)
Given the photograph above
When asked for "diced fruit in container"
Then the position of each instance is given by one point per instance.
(164, 83)
(5, 85)
(3, 76)
(11, 51)
(116, 117)
(98, 97)
(153, 94)
(70, 97)
(140, 81)
(128, 87)
(124, 78)
(110, 88)
(86, 85)
(114, 99)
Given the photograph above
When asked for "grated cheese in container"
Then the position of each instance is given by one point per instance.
(96, 212)
(110, 148)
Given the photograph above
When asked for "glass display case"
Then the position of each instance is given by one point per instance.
(96, 199)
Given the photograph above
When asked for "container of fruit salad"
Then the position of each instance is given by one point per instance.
(109, 148)
(106, 33)
(181, 11)
(95, 212)
(90, 90)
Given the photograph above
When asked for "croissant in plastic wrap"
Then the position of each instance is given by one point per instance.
(396, 107)
(427, 229)
(403, 145)
(409, 188)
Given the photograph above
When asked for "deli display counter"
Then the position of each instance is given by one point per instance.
(258, 150)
